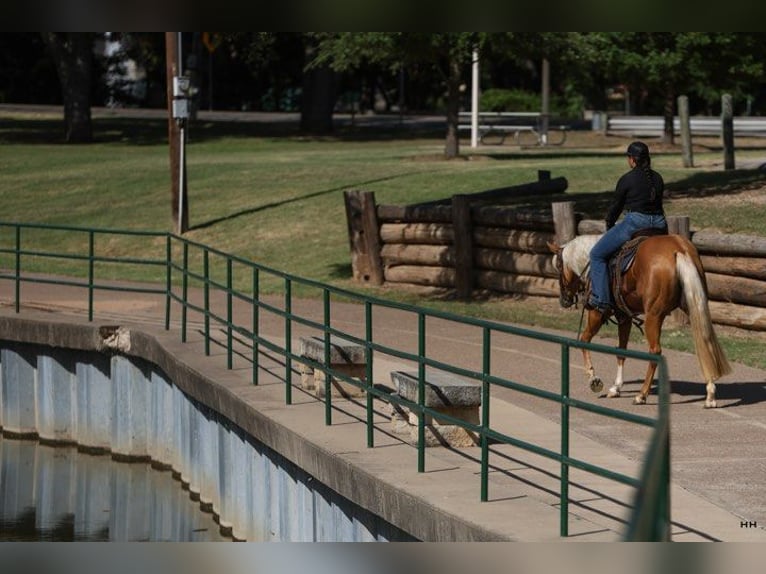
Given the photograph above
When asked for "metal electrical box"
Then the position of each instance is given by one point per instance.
(181, 97)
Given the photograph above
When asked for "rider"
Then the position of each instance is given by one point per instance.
(639, 193)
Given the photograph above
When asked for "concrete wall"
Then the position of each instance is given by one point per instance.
(126, 405)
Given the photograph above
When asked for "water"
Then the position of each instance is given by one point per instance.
(60, 494)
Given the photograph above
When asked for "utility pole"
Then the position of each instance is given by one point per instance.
(177, 117)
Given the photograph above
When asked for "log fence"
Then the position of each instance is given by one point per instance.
(464, 244)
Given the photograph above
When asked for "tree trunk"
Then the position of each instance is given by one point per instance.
(318, 101)
(73, 58)
(452, 143)
(667, 130)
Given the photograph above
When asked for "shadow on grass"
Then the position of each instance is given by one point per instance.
(274, 204)
(154, 131)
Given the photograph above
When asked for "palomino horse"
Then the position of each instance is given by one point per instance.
(666, 274)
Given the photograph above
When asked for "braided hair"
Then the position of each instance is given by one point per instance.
(640, 153)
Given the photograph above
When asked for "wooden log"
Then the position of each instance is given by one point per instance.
(429, 233)
(591, 227)
(421, 275)
(500, 194)
(564, 221)
(538, 264)
(404, 254)
(461, 224)
(712, 243)
(752, 267)
(487, 215)
(736, 289)
(515, 239)
(505, 216)
(741, 316)
(415, 213)
(521, 284)
(364, 240)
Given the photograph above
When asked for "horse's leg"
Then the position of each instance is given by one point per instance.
(623, 331)
(592, 325)
(710, 402)
(652, 329)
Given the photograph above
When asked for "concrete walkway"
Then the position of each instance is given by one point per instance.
(718, 456)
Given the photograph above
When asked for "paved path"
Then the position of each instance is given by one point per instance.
(718, 456)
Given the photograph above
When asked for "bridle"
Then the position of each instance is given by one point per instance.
(568, 293)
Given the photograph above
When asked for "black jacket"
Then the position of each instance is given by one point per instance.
(634, 193)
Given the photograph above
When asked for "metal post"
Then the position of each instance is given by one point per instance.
(288, 341)
(368, 371)
(421, 392)
(91, 254)
(169, 282)
(229, 316)
(475, 99)
(206, 292)
(564, 497)
(256, 309)
(327, 375)
(486, 344)
(184, 291)
(18, 269)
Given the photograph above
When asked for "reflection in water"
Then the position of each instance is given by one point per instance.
(59, 494)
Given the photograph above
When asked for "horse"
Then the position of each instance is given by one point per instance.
(666, 274)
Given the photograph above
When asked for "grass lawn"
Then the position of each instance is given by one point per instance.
(270, 195)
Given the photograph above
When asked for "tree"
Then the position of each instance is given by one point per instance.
(72, 54)
(664, 65)
(448, 52)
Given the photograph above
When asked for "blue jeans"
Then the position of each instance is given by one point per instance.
(609, 243)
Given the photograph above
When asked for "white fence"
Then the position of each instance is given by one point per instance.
(700, 125)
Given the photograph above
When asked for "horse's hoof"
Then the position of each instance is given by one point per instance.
(613, 394)
(639, 400)
(596, 385)
(710, 404)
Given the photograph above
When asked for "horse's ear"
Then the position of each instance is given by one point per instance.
(553, 246)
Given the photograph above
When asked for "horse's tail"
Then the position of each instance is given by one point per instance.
(709, 352)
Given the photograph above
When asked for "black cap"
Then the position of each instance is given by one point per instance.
(638, 150)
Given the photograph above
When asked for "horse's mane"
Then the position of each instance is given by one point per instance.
(576, 253)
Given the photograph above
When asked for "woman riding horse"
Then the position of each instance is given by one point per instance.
(639, 192)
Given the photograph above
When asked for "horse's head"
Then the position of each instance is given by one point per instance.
(570, 283)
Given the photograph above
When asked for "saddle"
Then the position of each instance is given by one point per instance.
(619, 264)
(621, 261)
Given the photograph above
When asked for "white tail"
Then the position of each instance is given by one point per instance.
(712, 360)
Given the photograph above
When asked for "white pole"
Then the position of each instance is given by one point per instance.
(181, 183)
(181, 150)
(475, 100)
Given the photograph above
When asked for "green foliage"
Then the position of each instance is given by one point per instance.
(498, 100)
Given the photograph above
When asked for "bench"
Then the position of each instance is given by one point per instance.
(444, 393)
(346, 358)
(500, 124)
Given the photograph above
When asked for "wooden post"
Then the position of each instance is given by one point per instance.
(727, 131)
(686, 131)
(679, 225)
(364, 239)
(564, 221)
(463, 230)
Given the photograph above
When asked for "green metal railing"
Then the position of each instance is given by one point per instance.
(186, 263)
